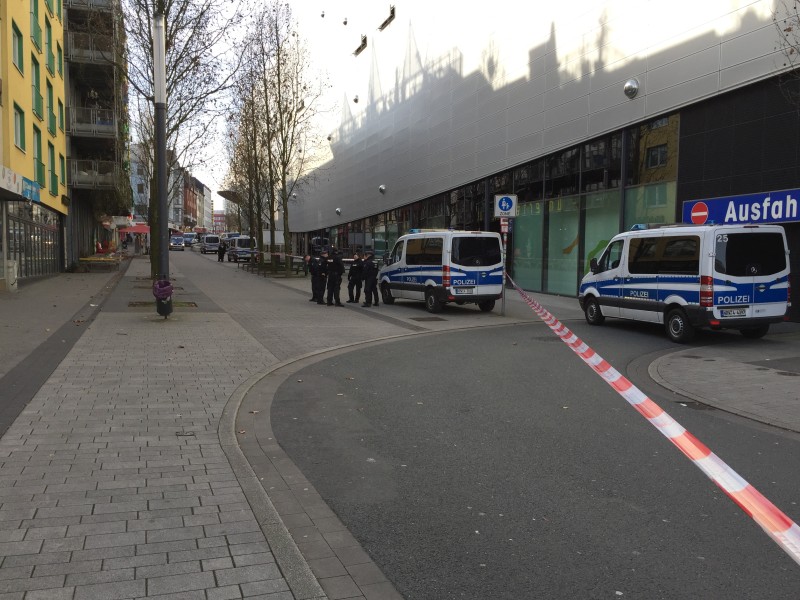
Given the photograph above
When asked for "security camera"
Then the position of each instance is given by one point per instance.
(338, 211)
(382, 189)
(355, 99)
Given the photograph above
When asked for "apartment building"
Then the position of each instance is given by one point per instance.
(34, 203)
(97, 123)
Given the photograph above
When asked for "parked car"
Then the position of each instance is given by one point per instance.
(210, 243)
(176, 242)
(242, 247)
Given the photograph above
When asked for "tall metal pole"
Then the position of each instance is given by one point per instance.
(163, 303)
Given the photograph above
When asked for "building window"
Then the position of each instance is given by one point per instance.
(58, 9)
(51, 169)
(51, 113)
(16, 47)
(60, 59)
(63, 165)
(140, 188)
(38, 165)
(657, 156)
(61, 115)
(19, 128)
(657, 123)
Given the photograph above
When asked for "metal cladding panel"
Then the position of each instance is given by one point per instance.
(457, 107)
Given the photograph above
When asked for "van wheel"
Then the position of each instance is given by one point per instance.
(678, 327)
(754, 333)
(386, 294)
(594, 316)
(486, 305)
(431, 303)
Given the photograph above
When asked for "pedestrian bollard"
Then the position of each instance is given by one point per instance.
(162, 290)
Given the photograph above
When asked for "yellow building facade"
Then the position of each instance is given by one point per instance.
(33, 179)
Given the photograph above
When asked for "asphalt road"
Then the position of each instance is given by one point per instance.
(493, 464)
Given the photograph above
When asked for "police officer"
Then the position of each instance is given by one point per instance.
(354, 278)
(319, 272)
(370, 276)
(335, 272)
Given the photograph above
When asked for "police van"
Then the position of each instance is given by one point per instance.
(439, 266)
(692, 276)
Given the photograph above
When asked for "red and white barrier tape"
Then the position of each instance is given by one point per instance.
(772, 520)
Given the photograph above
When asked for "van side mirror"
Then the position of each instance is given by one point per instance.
(593, 267)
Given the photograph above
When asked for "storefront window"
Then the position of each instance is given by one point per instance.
(602, 223)
(562, 259)
(528, 255)
(654, 203)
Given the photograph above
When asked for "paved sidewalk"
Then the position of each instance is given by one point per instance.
(125, 476)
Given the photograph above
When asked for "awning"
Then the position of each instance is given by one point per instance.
(138, 228)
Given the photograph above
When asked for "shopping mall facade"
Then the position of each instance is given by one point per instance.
(607, 128)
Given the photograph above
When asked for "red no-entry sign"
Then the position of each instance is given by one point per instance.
(699, 213)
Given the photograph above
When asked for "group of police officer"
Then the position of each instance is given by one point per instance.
(327, 271)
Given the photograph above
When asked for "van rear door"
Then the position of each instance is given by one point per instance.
(751, 273)
(476, 265)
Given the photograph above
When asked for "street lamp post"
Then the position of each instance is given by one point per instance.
(162, 289)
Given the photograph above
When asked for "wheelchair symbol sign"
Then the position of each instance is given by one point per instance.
(505, 205)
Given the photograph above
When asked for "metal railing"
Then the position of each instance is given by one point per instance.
(38, 102)
(92, 173)
(51, 62)
(100, 4)
(53, 183)
(38, 169)
(91, 48)
(51, 121)
(49, 5)
(94, 122)
(36, 31)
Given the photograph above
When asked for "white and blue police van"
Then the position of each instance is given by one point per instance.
(438, 266)
(692, 276)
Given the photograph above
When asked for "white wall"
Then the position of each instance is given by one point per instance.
(452, 92)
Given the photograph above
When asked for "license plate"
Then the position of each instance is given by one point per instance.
(733, 312)
(464, 290)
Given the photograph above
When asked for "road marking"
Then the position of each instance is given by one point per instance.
(770, 518)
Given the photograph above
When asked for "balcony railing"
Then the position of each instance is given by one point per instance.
(51, 122)
(92, 173)
(51, 62)
(38, 170)
(92, 122)
(36, 32)
(98, 4)
(53, 183)
(89, 48)
(38, 103)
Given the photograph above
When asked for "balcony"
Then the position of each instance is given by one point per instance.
(87, 4)
(51, 62)
(91, 122)
(38, 171)
(92, 173)
(36, 32)
(38, 103)
(53, 183)
(51, 122)
(83, 47)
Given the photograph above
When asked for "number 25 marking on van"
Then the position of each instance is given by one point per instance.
(722, 237)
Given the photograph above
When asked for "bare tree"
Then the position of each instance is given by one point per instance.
(279, 133)
(787, 26)
(199, 67)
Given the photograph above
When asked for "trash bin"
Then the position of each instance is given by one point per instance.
(162, 290)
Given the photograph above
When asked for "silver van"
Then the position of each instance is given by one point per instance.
(210, 243)
(438, 266)
(687, 277)
(241, 247)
